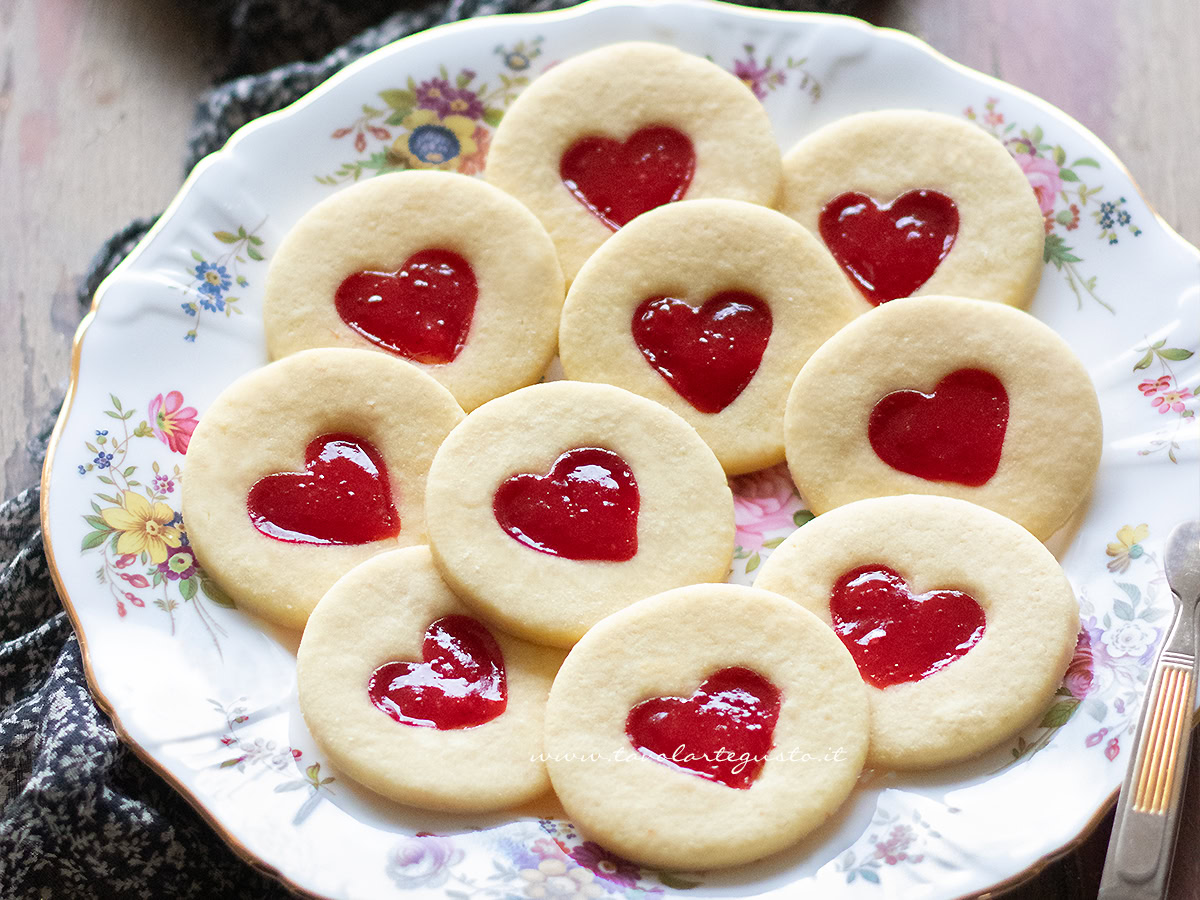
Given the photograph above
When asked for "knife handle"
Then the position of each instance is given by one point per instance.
(1138, 863)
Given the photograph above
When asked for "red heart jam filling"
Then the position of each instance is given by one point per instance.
(955, 433)
(708, 353)
(585, 508)
(619, 181)
(460, 682)
(896, 637)
(342, 497)
(889, 250)
(723, 732)
(422, 311)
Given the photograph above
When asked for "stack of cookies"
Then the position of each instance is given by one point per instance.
(508, 584)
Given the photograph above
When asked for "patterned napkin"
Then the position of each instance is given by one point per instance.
(80, 815)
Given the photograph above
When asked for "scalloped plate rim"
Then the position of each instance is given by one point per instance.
(436, 32)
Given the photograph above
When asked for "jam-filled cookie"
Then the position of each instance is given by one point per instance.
(613, 133)
(960, 621)
(306, 467)
(441, 270)
(560, 503)
(913, 202)
(940, 395)
(707, 726)
(709, 307)
(410, 694)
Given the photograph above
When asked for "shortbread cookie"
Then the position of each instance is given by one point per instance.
(615, 132)
(960, 621)
(913, 202)
(306, 467)
(442, 270)
(940, 395)
(706, 726)
(709, 307)
(563, 502)
(408, 693)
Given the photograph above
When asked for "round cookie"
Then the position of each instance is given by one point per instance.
(558, 504)
(439, 269)
(305, 468)
(941, 395)
(709, 307)
(707, 726)
(874, 187)
(867, 560)
(410, 695)
(616, 131)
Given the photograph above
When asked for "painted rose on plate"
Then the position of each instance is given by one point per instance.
(1043, 175)
(422, 861)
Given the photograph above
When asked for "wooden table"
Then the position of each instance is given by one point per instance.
(96, 97)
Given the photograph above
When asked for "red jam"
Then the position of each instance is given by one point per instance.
(342, 496)
(619, 181)
(585, 508)
(723, 732)
(422, 311)
(460, 682)
(707, 353)
(954, 434)
(895, 636)
(889, 250)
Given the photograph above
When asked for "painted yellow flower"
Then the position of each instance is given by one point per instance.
(433, 142)
(1127, 547)
(143, 526)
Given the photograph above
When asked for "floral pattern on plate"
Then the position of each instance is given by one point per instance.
(764, 77)
(257, 754)
(441, 122)
(1167, 396)
(138, 532)
(213, 276)
(893, 842)
(1061, 193)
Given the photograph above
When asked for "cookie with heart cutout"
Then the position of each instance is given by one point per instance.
(439, 269)
(303, 469)
(706, 726)
(612, 133)
(960, 622)
(560, 503)
(914, 202)
(709, 307)
(942, 395)
(409, 694)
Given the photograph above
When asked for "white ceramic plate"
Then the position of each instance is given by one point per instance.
(206, 695)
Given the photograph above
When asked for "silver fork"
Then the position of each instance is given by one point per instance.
(1138, 864)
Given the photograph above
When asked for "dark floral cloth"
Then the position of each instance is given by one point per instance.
(80, 815)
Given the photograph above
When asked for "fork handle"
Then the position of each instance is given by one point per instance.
(1138, 863)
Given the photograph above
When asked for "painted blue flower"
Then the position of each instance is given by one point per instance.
(190, 337)
(189, 308)
(102, 433)
(177, 523)
(82, 470)
(214, 280)
(213, 304)
(1107, 209)
(1106, 221)
(433, 144)
(103, 460)
(1124, 218)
